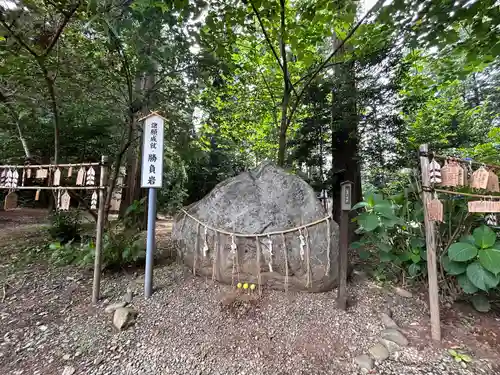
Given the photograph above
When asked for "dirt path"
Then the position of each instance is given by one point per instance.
(47, 326)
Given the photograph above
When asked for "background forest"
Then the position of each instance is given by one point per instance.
(331, 90)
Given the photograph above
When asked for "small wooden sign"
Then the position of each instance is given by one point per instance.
(480, 179)
(346, 195)
(41, 173)
(493, 182)
(28, 173)
(462, 176)
(65, 201)
(484, 206)
(37, 195)
(80, 176)
(70, 171)
(57, 177)
(10, 201)
(435, 210)
(450, 174)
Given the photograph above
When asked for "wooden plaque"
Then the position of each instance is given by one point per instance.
(484, 206)
(80, 176)
(450, 174)
(480, 179)
(435, 210)
(57, 177)
(462, 176)
(10, 201)
(493, 182)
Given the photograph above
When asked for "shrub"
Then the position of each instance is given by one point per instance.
(65, 226)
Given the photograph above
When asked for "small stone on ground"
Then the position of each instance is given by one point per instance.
(114, 306)
(403, 292)
(379, 352)
(68, 370)
(395, 336)
(124, 317)
(391, 346)
(388, 321)
(364, 362)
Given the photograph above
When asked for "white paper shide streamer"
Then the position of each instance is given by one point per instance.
(270, 253)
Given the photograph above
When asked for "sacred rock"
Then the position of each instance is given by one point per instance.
(263, 200)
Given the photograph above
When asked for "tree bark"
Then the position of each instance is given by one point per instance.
(286, 89)
(345, 139)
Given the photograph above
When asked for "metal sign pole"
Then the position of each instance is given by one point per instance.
(150, 243)
(151, 178)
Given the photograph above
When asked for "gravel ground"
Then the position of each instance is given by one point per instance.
(48, 325)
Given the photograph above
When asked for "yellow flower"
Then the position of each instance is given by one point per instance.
(238, 285)
(252, 286)
(245, 286)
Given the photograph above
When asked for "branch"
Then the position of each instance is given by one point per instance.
(18, 38)
(67, 17)
(268, 40)
(374, 8)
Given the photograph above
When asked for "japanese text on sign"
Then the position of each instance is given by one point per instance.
(152, 153)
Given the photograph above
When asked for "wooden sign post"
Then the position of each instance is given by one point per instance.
(345, 205)
(430, 240)
(151, 178)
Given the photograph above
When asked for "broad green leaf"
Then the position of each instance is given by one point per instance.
(468, 238)
(481, 304)
(481, 277)
(466, 284)
(462, 252)
(406, 256)
(384, 247)
(385, 257)
(465, 357)
(415, 258)
(452, 352)
(360, 205)
(417, 243)
(484, 237)
(368, 222)
(356, 245)
(363, 254)
(414, 269)
(490, 259)
(453, 268)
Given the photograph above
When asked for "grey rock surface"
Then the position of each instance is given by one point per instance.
(379, 352)
(124, 317)
(262, 200)
(391, 346)
(388, 321)
(113, 306)
(364, 362)
(395, 336)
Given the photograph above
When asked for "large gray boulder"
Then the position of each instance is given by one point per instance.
(265, 199)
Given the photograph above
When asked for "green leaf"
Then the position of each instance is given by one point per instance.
(481, 304)
(405, 256)
(453, 268)
(385, 257)
(469, 239)
(415, 258)
(484, 237)
(465, 357)
(466, 284)
(490, 259)
(363, 254)
(54, 246)
(452, 352)
(360, 205)
(417, 243)
(356, 245)
(384, 247)
(480, 277)
(462, 252)
(368, 222)
(414, 269)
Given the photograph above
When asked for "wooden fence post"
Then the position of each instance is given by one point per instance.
(430, 240)
(346, 204)
(99, 230)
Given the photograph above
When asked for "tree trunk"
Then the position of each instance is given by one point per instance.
(286, 90)
(345, 139)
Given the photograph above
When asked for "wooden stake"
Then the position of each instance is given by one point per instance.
(257, 240)
(196, 246)
(430, 239)
(99, 231)
(346, 204)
